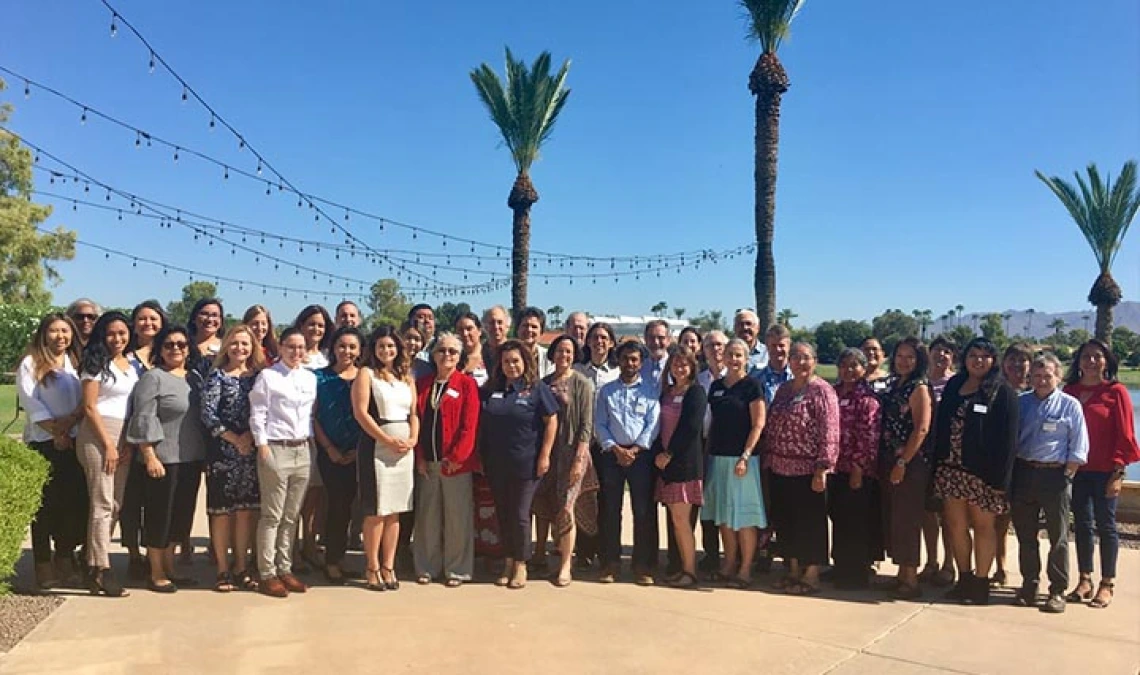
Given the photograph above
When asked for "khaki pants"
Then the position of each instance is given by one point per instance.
(105, 489)
(444, 545)
(283, 478)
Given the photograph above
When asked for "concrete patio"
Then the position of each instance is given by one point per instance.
(587, 627)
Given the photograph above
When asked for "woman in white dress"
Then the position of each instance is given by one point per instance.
(383, 402)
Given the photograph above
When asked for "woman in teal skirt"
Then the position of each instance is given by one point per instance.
(732, 493)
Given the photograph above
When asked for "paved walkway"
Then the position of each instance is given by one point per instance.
(586, 627)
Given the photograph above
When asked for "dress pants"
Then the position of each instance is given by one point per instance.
(62, 516)
(444, 546)
(105, 490)
(130, 516)
(613, 478)
(283, 478)
(904, 506)
(851, 514)
(340, 489)
(168, 503)
(513, 498)
(1037, 489)
(800, 516)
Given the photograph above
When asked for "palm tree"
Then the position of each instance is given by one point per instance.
(659, 308)
(1029, 322)
(924, 317)
(554, 314)
(785, 317)
(1058, 325)
(1006, 316)
(679, 312)
(958, 309)
(524, 109)
(769, 22)
(1103, 211)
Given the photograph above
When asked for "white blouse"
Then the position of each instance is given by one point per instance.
(114, 391)
(281, 404)
(57, 395)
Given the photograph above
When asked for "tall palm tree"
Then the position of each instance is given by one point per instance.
(958, 309)
(925, 317)
(1103, 211)
(1058, 325)
(524, 108)
(769, 22)
(785, 316)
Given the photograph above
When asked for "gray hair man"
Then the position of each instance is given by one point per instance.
(577, 324)
(746, 326)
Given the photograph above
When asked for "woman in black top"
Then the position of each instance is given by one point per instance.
(517, 425)
(679, 458)
(975, 445)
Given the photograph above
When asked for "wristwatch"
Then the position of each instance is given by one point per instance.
(900, 462)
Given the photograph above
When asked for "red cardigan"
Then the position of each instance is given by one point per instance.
(459, 416)
(1108, 416)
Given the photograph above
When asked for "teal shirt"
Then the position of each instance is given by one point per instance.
(334, 409)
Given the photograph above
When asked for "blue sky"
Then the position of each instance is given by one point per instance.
(909, 140)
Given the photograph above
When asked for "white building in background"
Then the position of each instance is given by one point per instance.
(635, 325)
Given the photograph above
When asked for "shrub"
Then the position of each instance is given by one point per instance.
(17, 325)
(23, 473)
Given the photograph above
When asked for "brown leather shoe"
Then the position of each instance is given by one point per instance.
(292, 583)
(273, 587)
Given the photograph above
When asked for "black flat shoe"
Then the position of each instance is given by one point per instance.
(168, 587)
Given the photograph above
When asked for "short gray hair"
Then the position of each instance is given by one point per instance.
(1046, 358)
(500, 308)
(737, 342)
(712, 335)
(852, 353)
(74, 306)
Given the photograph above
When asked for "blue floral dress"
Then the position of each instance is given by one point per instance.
(231, 478)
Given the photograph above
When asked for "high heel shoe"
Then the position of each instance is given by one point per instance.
(103, 582)
(392, 583)
(377, 585)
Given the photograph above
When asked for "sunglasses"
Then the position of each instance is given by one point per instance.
(85, 317)
(181, 346)
(450, 351)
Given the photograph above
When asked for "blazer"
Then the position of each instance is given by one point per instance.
(458, 416)
(989, 438)
(686, 443)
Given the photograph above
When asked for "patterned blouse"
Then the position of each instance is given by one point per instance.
(803, 429)
(858, 430)
(897, 418)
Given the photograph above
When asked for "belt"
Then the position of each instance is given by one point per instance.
(290, 443)
(1042, 465)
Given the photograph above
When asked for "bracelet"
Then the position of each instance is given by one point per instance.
(745, 456)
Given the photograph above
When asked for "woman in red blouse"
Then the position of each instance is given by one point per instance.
(849, 489)
(448, 406)
(801, 445)
(1112, 447)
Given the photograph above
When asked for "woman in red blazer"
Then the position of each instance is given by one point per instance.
(448, 405)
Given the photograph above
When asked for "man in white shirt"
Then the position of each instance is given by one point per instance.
(746, 326)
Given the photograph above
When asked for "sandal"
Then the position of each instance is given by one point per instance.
(561, 582)
(392, 584)
(685, 581)
(1103, 600)
(377, 585)
(423, 579)
(224, 583)
(1079, 595)
(245, 581)
(453, 583)
(801, 588)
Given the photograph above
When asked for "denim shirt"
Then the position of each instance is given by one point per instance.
(627, 414)
(771, 380)
(1053, 429)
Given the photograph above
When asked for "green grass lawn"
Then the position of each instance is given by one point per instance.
(1129, 377)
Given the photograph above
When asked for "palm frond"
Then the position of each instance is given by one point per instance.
(1103, 210)
(770, 21)
(526, 106)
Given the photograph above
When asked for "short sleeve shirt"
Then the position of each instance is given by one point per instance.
(731, 416)
(115, 390)
(511, 428)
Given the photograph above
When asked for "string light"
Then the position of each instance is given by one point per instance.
(114, 25)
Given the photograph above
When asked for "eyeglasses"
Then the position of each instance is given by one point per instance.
(85, 317)
(181, 346)
(450, 351)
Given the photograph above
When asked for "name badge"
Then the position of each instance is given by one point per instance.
(844, 403)
(1049, 427)
(452, 393)
(981, 409)
(522, 401)
(718, 393)
(497, 394)
(879, 385)
(678, 399)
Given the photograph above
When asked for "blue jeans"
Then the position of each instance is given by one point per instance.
(1089, 506)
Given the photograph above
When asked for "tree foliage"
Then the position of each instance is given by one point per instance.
(832, 337)
(388, 304)
(179, 310)
(26, 252)
(447, 313)
(892, 326)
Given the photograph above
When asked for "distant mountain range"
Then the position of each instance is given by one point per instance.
(1037, 324)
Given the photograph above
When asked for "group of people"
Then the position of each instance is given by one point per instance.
(411, 437)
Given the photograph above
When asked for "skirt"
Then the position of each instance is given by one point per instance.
(386, 477)
(686, 492)
(730, 500)
(231, 480)
(954, 482)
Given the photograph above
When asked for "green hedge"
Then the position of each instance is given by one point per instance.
(23, 473)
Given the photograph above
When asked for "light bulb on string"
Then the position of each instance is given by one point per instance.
(213, 122)
(259, 166)
(114, 25)
(151, 69)
(226, 175)
(176, 153)
(138, 140)
(185, 94)
(83, 117)
(27, 89)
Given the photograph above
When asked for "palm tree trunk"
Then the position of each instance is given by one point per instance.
(768, 82)
(522, 197)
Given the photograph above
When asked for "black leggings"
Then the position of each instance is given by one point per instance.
(168, 504)
(62, 516)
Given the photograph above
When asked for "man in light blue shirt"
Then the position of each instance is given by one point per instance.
(625, 420)
(746, 326)
(779, 342)
(658, 339)
(1051, 443)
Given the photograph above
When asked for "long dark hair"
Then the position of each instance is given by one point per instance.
(351, 331)
(1111, 363)
(400, 363)
(993, 378)
(96, 358)
(611, 357)
(326, 339)
(154, 306)
(921, 358)
(43, 361)
(192, 321)
(192, 354)
(498, 380)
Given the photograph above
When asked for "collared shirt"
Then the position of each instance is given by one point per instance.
(281, 404)
(512, 428)
(545, 367)
(771, 380)
(652, 370)
(599, 375)
(627, 414)
(57, 395)
(1051, 429)
(758, 358)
